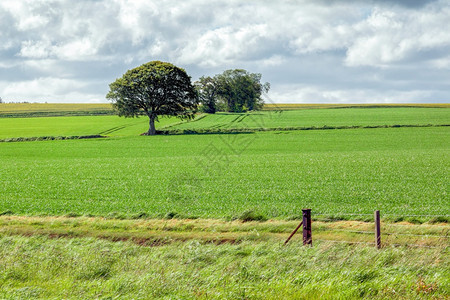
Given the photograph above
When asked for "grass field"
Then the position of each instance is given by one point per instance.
(297, 106)
(79, 125)
(52, 109)
(322, 117)
(115, 126)
(137, 217)
(397, 170)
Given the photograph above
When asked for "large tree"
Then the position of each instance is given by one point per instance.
(154, 89)
(234, 90)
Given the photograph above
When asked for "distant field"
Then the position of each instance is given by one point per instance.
(119, 126)
(53, 109)
(396, 170)
(295, 106)
(77, 125)
(322, 117)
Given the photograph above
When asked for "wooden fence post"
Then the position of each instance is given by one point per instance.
(377, 230)
(307, 232)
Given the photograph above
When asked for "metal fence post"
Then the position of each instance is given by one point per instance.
(377, 230)
(307, 232)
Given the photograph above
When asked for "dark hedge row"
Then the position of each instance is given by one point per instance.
(51, 138)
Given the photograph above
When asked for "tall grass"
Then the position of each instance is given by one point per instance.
(39, 267)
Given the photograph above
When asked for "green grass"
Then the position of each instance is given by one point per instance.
(115, 126)
(129, 179)
(79, 125)
(276, 174)
(39, 267)
(322, 117)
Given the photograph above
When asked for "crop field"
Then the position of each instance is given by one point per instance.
(322, 117)
(397, 170)
(52, 109)
(77, 125)
(205, 215)
(297, 106)
(116, 126)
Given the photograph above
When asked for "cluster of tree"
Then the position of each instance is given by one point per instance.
(233, 91)
(159, 88)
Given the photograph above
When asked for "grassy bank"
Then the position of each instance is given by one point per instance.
(152, 232)
(43, 267)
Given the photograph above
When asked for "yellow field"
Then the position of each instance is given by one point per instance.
(293, 106)
(10, 108)
(51, 107)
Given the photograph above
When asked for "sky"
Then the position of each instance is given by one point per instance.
(310, 51)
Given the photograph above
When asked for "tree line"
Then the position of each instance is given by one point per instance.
(161, 89)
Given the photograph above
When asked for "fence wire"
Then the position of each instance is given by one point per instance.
(384, 233)
(327, 214)
(390, 236)
(372, 243)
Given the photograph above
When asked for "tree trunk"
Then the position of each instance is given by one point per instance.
(152, 130)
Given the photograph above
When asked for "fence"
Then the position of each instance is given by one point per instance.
(377, 231)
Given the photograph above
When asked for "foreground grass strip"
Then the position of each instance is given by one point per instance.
(158, 231)
(88, 268)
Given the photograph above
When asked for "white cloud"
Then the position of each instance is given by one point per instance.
(387, 37)
(48, 89)
(22, 11)
(317, 94)
(44, 39)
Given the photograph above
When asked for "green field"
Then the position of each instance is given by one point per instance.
(323, 117)
(79, 125)
(306, 118)
(138, 217)
(396, 170)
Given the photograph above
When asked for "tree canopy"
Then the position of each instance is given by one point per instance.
(154, 89)
(207, 91)
(233, 91)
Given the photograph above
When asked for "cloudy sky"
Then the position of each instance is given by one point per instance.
(311, 51)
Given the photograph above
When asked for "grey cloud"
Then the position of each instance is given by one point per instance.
(317, 49)
(403, 3)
